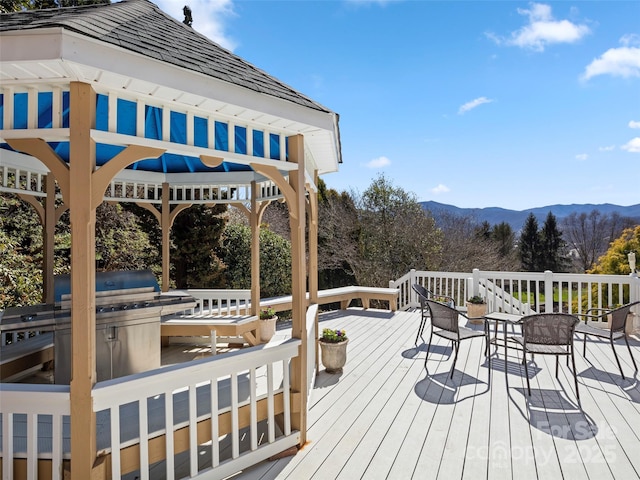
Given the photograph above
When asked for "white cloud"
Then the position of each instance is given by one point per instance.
(542, 30)
(634, 124)
(619, 62)
(473, 104)
(440, 189)
(632, 146)
(208, 17)
(379, 162)
(582, 156)
(608, 148)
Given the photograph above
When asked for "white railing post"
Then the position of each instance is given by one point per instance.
(475, 286)
(548, 291)
(634, 296)
(413, 300)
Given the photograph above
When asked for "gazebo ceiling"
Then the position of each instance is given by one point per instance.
(159, 81)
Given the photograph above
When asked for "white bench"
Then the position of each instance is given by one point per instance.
(245, 326)
(344, 295)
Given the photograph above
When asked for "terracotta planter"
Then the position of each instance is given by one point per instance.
(475, 312)
(267, 329)
(334, 355)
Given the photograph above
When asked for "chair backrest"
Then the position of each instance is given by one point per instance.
(421, 291)
(443, 316)
(619, 317)
(549, 328)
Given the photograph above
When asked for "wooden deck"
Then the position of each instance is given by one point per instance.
(386, 417)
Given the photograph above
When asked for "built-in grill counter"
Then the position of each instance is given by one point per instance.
(129, 308)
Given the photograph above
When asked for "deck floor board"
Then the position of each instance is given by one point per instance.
(386, 417)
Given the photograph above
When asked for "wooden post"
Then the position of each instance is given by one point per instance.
(299, 284)
(165, 226)
(48, 239)
(83, 313)
(313, 254)
(313, 241)
(254, 221)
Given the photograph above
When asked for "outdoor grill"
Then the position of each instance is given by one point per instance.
(129, 308)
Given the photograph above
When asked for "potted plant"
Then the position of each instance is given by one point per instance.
(268, 319)
(333, 345)
(476, 308)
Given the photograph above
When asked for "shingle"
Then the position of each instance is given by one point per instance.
(140, 26)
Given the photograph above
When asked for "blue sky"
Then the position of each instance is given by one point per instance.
(471, 103)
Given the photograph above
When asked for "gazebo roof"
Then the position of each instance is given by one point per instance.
(160, 81)
(141, 27)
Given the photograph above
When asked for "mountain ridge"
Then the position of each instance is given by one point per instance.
(516, 218)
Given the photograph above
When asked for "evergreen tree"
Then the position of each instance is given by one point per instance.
(275, 260)
(196, 234)
(552, 246)
(529, 245)
(502, 234)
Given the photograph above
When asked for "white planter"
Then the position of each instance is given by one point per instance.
(334, 355)
(267, 329)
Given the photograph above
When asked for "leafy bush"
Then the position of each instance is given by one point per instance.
(275, 260)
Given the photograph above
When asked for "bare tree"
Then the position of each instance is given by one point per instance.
(589, 235)
(396, 234)
(467, 245)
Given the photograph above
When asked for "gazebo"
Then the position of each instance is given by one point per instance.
(121, 102)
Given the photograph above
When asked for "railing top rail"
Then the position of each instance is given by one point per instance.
(131, 388)
(36, 398)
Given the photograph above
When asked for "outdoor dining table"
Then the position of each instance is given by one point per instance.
(505, 319)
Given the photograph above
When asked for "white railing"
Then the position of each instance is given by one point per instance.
(211, 301)
(191, 398)
(35, 426)
(452, 284)
(516, 291)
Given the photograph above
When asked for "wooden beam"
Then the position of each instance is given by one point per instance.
(298, 283)
(313, 256)
(48, 239)
(82, 160)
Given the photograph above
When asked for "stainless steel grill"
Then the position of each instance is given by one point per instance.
(129, 308)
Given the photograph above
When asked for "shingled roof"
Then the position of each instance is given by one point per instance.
(140, 26)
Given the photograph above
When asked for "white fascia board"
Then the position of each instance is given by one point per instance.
(31, 45)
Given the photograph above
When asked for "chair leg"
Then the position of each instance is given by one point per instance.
(616, 356)
(420, 329)
(526, 370)
(575, 375)
(630, 354)
(428, 347)
(456, 346)
(557, 364)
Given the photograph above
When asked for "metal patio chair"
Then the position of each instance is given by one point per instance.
(618, 319)
(445, 323)
(548, 334)
(423, 296)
